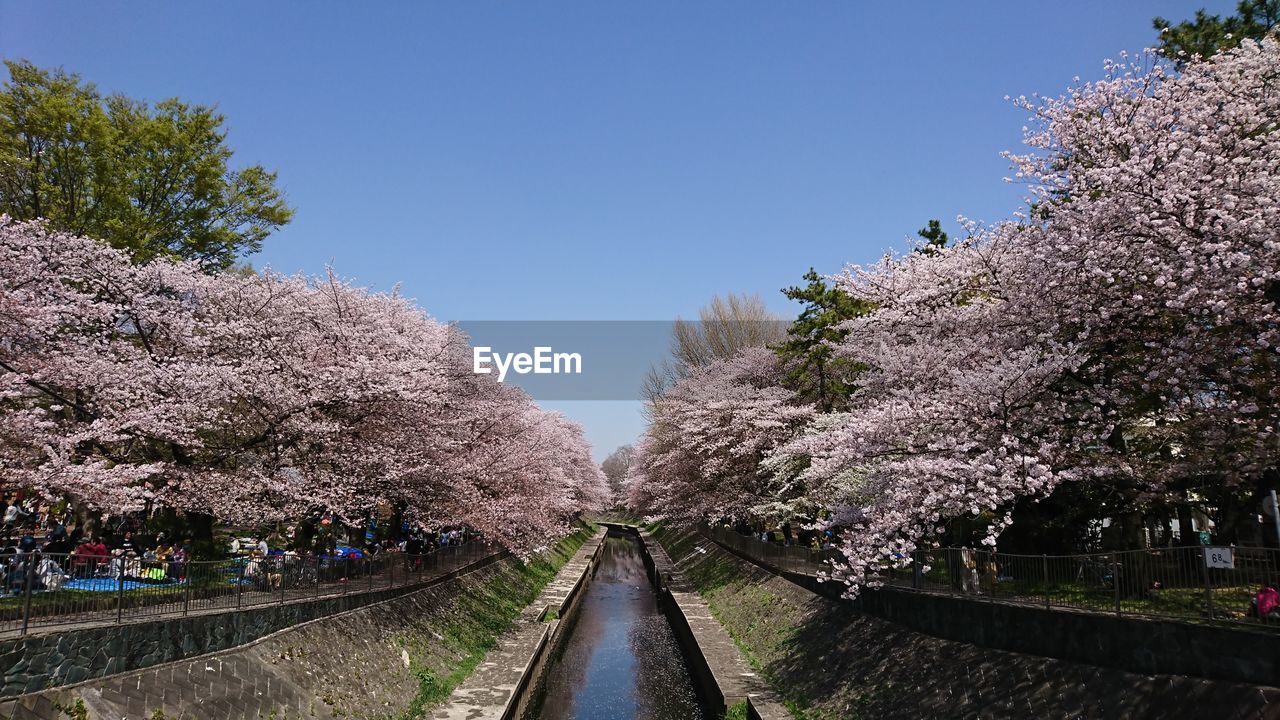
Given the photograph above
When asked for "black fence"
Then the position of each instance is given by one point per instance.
(42, 590)
(1219, 584)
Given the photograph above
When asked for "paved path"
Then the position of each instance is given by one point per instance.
(731, 671)
(492, 688)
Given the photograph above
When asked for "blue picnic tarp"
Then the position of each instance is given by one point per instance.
(112, 584)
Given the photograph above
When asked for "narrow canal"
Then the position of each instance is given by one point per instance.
(621, 660)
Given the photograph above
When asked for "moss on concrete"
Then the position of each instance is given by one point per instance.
(445, 648)
(829, 661)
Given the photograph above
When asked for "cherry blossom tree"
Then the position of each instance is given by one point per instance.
(256, 397)
(699, 459)
(1124, 332)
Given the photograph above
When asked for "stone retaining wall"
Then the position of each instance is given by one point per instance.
(835, 660)
(38, 662)
(317, 666)
(1130, 643)
(1133, 644)
(501, 687)
(725, 676)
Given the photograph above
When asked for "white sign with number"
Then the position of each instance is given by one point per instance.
(1219, 557)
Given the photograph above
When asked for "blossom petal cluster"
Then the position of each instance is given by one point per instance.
(255, 397)
(700, 457)
(1123, 331)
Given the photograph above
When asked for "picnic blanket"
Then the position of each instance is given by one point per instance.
(112, 584)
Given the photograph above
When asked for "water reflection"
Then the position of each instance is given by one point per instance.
(621, 660)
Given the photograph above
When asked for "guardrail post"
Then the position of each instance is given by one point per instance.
(953, 562)
(27, 582)
(1115, 580)
(391, 571)
(186, 592)
(1208, 590)
(120, 592)
(1045, 569)
(915, 570)
(282, 578)
(368, 570)
(240, 586)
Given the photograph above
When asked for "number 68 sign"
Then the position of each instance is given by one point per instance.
(1219, 557)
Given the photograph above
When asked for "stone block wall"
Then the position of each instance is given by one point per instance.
(1133, 644)
(264, 658)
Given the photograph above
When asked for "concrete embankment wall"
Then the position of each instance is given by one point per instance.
(504, 685)
(367, 662)
(512, 679)
(557, 610)
(1129, 644)
(1143, 645)
(835, 661)
(38, 662)
(724, 676)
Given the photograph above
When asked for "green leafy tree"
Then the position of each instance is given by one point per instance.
(153, 180)
(812, 371)
(1207, 34)
(935, 238)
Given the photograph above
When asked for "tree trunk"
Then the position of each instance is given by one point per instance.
(1186, 530)
(200, 534)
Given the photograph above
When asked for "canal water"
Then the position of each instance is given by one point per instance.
(621, 660)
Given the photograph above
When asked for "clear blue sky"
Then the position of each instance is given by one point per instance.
(598, 160)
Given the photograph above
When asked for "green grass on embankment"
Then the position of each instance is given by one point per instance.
(737, 711)
(446, 648)
(829, 661)
(768, 626)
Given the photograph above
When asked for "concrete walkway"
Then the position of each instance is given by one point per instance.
(493, 690)
(729, 668)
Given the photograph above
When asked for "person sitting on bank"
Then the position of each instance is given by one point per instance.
(1266, 604)
(90, 555)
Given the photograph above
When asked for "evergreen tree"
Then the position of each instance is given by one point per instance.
(1207, 34)
(811, 370)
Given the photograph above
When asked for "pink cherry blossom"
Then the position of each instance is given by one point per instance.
(259, 397)
(1126, 332)
(700, 458)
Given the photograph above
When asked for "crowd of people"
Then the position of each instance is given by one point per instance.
(38, 552)
(48, 557)
(289, 560)
(784, 535)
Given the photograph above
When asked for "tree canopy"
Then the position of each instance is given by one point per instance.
(1207, 34)
(811, 370)
(154, 180)
(1123, 343)
(254, 397)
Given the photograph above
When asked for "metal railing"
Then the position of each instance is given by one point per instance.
(43, 590)
(1195, 583)
(786, 558)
